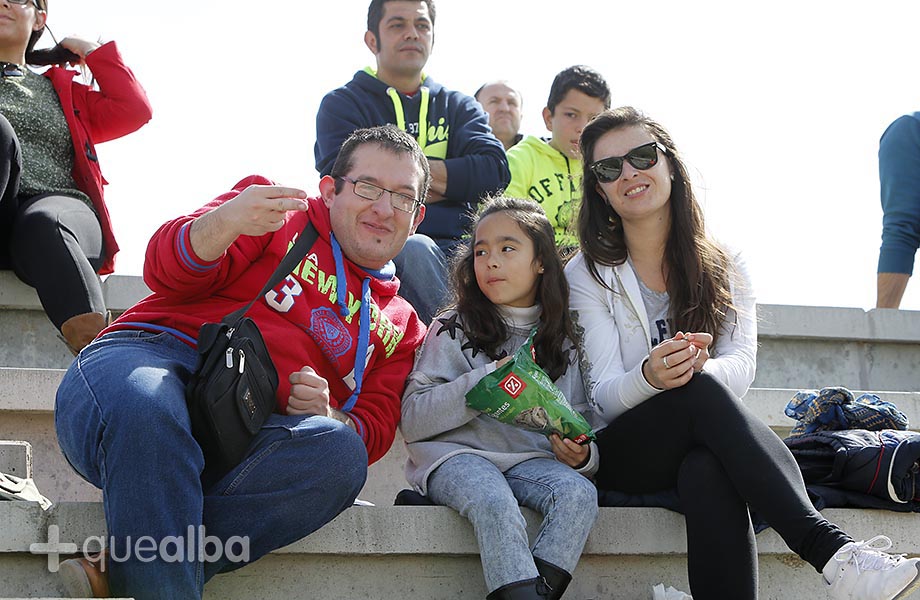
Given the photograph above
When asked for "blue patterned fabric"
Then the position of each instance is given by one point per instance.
(835, 409)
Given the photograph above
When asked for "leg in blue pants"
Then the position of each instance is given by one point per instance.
(122, 423)
(422, 270)
(491, 500)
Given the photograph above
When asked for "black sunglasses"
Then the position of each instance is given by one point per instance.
(642, 157)
(10, 70)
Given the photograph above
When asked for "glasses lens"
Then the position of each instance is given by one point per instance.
(608, 169)
(402, 202)
(643, 157)
(367, 191)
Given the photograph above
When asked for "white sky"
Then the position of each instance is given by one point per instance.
(778, 106)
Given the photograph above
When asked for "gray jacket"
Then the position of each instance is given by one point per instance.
(437, 424)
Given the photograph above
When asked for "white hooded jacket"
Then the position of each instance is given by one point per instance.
(614, 338)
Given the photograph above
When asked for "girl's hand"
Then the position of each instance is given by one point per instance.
(701, 341)
(670, 363)
(309, 394)
(79, 46)
(568, 452)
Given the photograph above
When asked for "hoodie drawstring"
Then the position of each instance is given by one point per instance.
(364, 319)
(422, 113)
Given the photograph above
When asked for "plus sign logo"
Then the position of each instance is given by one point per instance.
(53, 548)
(513, 385)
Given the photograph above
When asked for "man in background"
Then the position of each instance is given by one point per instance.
(503, 104)
(467, 161)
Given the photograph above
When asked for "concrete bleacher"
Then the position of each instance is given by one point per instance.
(382, 551)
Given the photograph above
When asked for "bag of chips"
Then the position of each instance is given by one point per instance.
(521, 393)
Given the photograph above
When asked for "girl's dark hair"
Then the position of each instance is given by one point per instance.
(483, 324)
(698, 269)
(56, 55)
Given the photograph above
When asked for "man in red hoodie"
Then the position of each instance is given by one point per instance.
(341, 339)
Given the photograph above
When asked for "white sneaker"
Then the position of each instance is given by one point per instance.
(863, 571)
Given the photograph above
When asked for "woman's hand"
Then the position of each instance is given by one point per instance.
(309, 394)
(568, 452)
(701, 341)
(670, 364)
(78, 46)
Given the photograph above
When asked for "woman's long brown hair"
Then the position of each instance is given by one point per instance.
(698, 276)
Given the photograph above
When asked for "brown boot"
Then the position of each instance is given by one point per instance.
(84, 578)
(80, 330)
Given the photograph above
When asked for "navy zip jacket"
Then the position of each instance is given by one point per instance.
(882, 467)
(456, 131)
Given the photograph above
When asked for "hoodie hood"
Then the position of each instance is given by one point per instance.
(367, 80)
(395, 97)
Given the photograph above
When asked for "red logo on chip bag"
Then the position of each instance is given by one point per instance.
(512, 385)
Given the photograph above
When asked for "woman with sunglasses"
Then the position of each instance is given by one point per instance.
(55, 231)
(667, 329)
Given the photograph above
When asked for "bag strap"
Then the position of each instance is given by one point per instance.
(298, 251)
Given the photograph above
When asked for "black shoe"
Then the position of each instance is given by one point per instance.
(556, 579)
(528, 589)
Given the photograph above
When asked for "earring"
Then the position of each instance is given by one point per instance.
(541, 270)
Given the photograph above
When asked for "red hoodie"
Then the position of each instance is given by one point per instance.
(299, 319)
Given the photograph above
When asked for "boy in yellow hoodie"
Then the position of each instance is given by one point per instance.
(549, 171)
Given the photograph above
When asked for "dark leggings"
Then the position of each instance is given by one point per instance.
(721, 458)
(53, 243)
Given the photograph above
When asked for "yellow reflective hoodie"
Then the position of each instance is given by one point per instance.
(542, 173)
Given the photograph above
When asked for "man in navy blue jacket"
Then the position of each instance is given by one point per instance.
(467, 161)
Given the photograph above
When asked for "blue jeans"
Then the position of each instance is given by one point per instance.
(123, 424)
(422, 270)
(475, 488)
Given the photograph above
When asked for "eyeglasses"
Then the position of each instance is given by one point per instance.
(608, 170)
(369, 191)
(24, 2)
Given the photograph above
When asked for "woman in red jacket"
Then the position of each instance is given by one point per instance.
(55, 231)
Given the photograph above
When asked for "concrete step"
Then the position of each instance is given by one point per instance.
(16, 458)
(815, 347)
(800, 346)
(27, 404)
(431, 552)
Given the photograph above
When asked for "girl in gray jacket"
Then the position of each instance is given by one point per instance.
(508, 281)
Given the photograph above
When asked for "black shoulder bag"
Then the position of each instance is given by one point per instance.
(232, 391)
